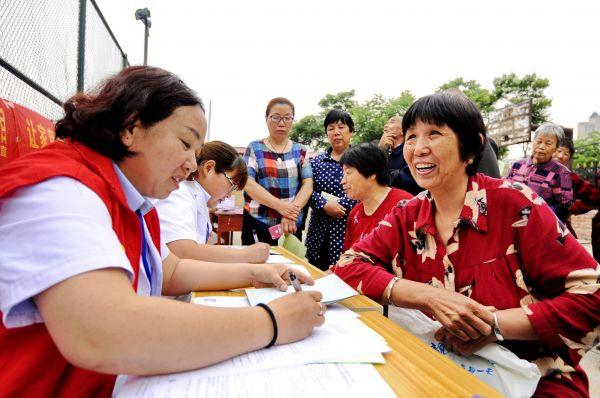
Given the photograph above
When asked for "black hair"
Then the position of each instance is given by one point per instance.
(143, 93)
(368, 159)
(453, 109)
(567, 142)
(338, 115)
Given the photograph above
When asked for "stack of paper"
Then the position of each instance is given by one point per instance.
(328, 362)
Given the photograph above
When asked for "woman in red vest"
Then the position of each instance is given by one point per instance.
(82, 266)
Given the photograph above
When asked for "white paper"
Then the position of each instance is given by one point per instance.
(222, 301)
(279, 259)
(317, 380)
(331, 287)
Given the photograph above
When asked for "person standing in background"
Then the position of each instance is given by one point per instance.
(328, 220)
(392, 142)
(279, 178)
(546, 177)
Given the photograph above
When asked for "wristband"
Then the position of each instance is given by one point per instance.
(389, 295)
(272, 316)
(496, 328)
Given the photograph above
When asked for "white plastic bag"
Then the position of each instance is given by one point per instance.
(492, 364)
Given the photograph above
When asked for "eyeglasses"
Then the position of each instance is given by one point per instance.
(277, 118)
(233, 184)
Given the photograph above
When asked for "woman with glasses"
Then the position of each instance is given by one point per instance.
(280, 179)
(185, 224)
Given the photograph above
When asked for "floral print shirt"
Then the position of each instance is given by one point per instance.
(507, 250)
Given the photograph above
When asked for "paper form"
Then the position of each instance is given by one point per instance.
(222, 301)
(331, 287)
(318, 380)
(279, 259)
(329, 197)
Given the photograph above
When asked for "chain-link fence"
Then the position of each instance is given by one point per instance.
(49, 49)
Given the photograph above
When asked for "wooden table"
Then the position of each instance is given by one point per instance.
(228, 221)
(412, 369)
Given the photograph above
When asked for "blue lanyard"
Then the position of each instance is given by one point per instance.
(145, 250)
(207, 232)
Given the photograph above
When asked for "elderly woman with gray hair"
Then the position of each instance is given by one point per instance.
(546, 177)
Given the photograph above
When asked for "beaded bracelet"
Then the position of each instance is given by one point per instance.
(272, 316)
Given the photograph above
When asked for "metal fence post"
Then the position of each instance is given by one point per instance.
(81, 46)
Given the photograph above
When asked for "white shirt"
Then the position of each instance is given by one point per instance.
(54, 230)
(184, 214)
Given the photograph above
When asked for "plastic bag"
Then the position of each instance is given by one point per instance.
(492, 364)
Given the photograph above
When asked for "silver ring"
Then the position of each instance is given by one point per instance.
(322, 309)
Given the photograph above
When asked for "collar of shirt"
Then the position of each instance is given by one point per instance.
(135, 200)
(474, 212)
(198, 190)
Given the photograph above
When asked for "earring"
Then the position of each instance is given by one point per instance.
(470, 161)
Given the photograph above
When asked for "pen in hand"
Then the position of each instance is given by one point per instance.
(295, 281)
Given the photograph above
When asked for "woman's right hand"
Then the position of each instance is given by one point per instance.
(297, 314)
(461, 315)
(334, 210)
(289, 210)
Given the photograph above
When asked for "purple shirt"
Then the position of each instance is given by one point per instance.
(550, 180)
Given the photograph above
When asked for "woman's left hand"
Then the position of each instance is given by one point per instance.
(458, 346)
(276, 275)
(288, 225)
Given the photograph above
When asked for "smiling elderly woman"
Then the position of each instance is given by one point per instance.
(546, 177)
(485, 257)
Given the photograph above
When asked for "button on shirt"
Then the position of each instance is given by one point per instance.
(184, 214)
(326, 234)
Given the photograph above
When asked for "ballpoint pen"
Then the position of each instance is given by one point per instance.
(295, 281)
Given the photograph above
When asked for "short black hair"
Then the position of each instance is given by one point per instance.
(368, 159)
(567, 142)
(338, 115)
(453, 109)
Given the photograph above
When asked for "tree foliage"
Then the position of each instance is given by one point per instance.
(369, 117)
(587, 150)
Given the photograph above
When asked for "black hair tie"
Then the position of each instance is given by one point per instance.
(272, 316)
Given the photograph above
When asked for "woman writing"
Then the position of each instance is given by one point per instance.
(280, 178)
(81, 251)
(485, 257)
(185, 224)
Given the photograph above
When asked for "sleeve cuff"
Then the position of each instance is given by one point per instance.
(540, 317)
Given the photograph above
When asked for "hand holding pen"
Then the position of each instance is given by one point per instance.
(295, 281)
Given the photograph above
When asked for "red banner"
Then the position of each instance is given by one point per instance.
(21, 131)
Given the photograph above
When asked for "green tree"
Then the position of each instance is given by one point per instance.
(343, 100)
(369, 117)
(516, 89)
(483, 98)
(587, 151)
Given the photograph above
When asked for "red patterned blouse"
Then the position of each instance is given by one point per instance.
(508, 250)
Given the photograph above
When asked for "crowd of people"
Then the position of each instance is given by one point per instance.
(419, 219)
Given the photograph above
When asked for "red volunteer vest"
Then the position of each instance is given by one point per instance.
(30, 363)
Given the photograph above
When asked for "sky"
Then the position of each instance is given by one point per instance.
(237, 54)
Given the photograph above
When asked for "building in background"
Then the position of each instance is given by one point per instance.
(585, 128)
